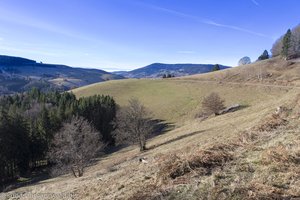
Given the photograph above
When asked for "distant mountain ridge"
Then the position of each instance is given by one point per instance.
(20, 74)
(11, 60)
(157, 70)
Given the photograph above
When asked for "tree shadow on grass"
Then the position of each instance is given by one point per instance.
(33, 178)
(160, 127)
(175, 139)
(243, 106)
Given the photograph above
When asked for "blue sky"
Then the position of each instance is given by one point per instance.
(127, 34)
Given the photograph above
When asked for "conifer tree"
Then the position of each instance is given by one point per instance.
(18, 129)
(286, 44)
(264, 55)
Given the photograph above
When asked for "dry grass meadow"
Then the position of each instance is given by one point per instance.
(252, 153)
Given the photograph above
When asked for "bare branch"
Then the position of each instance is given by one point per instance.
(133, 124)
(74, 146)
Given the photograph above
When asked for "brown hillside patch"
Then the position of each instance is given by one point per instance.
(260, 163)
(271, 123)
(201, 162)
(282, 167)
(262, 191)
(280, 155)
(145, 192)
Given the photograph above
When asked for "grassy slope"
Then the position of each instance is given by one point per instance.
(120, 175)
(177, 100)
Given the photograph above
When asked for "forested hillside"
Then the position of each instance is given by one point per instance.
(288, 45)
(159, 70)
(29, 121)
(21, 74)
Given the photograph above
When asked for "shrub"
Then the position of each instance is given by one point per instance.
(213, 104)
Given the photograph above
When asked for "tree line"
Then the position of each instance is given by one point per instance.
(288, 45)
(30, 121)
(78, 142)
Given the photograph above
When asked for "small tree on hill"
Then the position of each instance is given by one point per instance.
(133, 124)
(286, 44)
(216, 67)
(244, 61)
(213, 104)
(264, 55)
(74, 146)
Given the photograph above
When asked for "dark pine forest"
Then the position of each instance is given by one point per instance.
(29, 121)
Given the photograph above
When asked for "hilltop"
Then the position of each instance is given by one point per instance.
(157, 70)
(20, 74)
(274, 71)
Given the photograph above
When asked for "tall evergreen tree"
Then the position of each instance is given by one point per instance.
(100, 111)
(18, 129)
(4, 146)
(287, 44)
(264, 55)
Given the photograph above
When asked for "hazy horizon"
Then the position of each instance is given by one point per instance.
(127, 34)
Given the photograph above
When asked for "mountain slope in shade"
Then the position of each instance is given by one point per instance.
(20, 74)
(157, 70)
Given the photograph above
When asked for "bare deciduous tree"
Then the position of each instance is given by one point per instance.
(74, 146)
(133, 124)
(244, 61)
(213, 104)
(277, 47)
